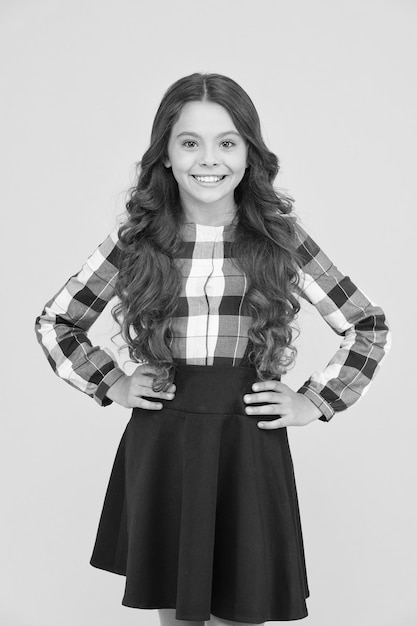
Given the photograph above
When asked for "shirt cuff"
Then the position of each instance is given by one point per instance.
(106, 382)
(319, 401)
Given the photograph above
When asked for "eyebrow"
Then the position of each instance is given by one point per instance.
(228, 132)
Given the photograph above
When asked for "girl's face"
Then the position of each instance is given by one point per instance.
(208, 157)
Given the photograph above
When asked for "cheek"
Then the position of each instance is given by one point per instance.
(239, 169)
(238, 161)
(182, 162)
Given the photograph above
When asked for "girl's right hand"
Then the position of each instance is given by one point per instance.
(128, 391)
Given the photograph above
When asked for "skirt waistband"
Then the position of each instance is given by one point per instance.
(211, 388)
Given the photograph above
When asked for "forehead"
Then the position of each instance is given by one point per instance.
(204, 116)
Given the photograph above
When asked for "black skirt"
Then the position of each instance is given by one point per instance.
(201, 512)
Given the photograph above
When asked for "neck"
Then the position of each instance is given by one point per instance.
(209, 215)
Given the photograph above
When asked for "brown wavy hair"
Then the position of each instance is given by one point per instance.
(149, 282)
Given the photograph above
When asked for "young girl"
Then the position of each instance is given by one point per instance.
(201, 511)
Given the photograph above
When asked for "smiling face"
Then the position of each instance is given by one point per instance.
(208, 157)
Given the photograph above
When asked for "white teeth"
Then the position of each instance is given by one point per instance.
(209, 179)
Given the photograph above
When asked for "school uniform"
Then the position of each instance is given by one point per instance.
(201, 511)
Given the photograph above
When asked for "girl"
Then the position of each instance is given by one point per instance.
(201, 511)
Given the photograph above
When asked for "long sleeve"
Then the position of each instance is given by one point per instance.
(366, 338)
(62, 327)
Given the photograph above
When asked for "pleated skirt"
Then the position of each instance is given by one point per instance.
(201, 512)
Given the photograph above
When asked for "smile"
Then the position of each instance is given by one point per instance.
(209, 179)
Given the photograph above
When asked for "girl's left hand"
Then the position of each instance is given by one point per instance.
(294, 409)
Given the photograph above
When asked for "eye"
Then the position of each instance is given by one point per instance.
(229, 142)
(187, 142)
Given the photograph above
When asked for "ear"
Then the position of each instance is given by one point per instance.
(167, 163)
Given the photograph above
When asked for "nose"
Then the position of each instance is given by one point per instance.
(208, 160)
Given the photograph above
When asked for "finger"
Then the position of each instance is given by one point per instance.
(141, 403)
(141, 390)
(282, 422)
(267, 385)
(272, 397)
(147, 380)
(266, 409)
(145, 370)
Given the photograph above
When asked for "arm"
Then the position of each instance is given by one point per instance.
(366, 338)
(62, 327)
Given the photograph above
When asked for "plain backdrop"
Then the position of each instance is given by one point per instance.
(334, 83)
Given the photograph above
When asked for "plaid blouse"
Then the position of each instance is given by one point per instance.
(209, 327)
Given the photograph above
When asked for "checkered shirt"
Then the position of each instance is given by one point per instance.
(209, 327)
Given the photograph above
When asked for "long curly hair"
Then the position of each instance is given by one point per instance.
(149, 282)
